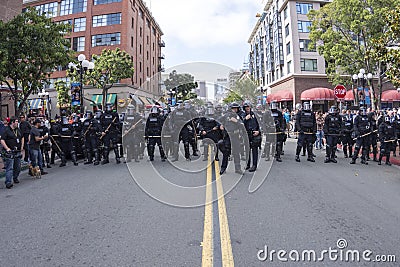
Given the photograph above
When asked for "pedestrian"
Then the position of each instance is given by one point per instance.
(320, 132)
(12, 141)
(287, 117)
(35, 140)
(25, 128)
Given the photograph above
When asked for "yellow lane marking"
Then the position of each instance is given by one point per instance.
(207, 255)
(226, 245)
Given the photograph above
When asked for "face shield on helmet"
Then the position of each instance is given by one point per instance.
(130, 110)
(64, 120)
(210, 110)
(363, 111)
(98, 114)
(76, 118)
(333, 110)
(180, 105)
(89, 115)
(274, 105)
(109, 107)
(307, 106)
(187, 105)
(387, 119)
(154, 110)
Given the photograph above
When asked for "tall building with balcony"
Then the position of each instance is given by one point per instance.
(280, 58)
(108, 24)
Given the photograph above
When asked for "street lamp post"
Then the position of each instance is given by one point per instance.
(81, 68)
(43, 93)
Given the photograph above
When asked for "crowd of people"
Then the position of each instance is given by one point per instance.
(234, 130)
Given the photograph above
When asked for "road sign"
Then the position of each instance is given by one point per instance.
(339, 91)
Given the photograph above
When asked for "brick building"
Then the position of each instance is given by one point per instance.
(108, 24)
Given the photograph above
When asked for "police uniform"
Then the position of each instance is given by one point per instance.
(90, 131)
(362, 129)
(332, 130)
(153, 131)
(347, 140)
(66, 135)
(178, 124)
(109, 123)
(307, 125)
(388, 138)
(131, 134)
(252, 126)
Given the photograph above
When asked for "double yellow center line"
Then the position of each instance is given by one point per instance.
(208, 235)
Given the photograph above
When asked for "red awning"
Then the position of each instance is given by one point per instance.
(318, 93)
(390, 96)
(280, 96)
(349, 96)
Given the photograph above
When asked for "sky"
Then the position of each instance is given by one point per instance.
(206, 31)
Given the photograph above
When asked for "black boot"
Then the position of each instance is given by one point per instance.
(298, 150)
(106, 153)
(333, 156)
(96, 157)
(388, 160)
(328, 154)
(380, 159)
(73, 155)
(89, 158)
(345, 151)
(63, 161)
(117, 157)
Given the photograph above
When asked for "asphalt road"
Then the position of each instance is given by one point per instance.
(100, 216)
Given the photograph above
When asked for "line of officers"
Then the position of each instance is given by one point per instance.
(363, 131)
(236, 132)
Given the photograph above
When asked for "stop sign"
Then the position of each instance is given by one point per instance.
(339, 91)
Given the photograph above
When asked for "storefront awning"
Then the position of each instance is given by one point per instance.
(280, 96)
(144, 100)
(98, 99)
(35, 103)
(390, 96)
(318, 93)
(349, 96)
(137, 100)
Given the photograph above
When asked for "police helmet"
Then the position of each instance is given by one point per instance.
(363, 111)
(64, 120)
(387, 119)
(76, 118)
(273, 105)
(98, 114)
(187, 104)
(298, 106)
(180, 104)
(89, 114)
(246, 104)
(333, 110)
(154, 110)
(307, 106)
(210, 109)
(130, 109)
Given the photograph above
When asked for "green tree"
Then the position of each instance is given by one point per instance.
(32, 47)
(245, 88)
(232, 97)
(182, 84)
(63, 96)
(343, 32)
(388, 46)
(110, 67)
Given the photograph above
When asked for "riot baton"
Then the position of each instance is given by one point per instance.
(108, 127)
(133, 126)
(374, 131)
(54, 141)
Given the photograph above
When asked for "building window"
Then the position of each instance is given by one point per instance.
(140, 69)
(80, 25)
(107, 19)
(140, 32)
(100, 2)
(49, 9)
(304, 26)
(148, 39)
(106, 39)
(140, 13)
(132, 23)
(289, 67)
(131, 41)
(303, 8)
(78, 44)
(285, 13)
(288, 48)
(287, 30)
(140, 49)
(304, 46)
(72, 7)
(308, 64)
(147, 56)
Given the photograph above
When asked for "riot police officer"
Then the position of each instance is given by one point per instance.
(45, 145)
(192, 126)
(178, 124)
(76, 140)
(332, 131)
(307, 126)
(90, 131)
(55, 140)
(347, 140)
(153, 131)
(278, 130)
(361, 132)
(66, 135)
(109, 123)
(131, 133)
(253, 132)
(231, 127)
(373, 137)
(209, 128)
(388, 138)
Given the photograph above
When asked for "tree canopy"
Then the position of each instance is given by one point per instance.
(244, 89)
(344, 32)
(182, 84)
(110, 67)
(32, 46)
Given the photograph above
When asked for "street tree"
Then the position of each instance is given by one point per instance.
(63, 96)
(388, 46)
(32, 47)
(245, 88)
(111, 66)
(183, 84)
(343, 32)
